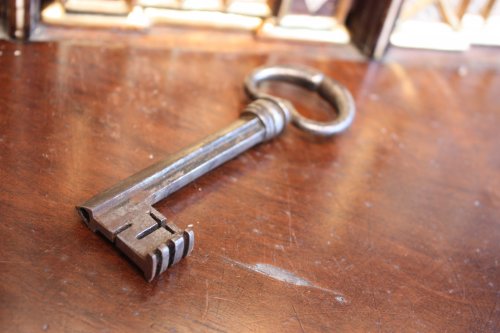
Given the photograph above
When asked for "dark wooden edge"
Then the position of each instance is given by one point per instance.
(371, 23)
(8, 18)
(2, 18)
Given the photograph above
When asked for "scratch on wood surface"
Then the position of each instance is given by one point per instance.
(288, 212)
(206, 301)
(298, 319)
(291, 233)
(283, 275)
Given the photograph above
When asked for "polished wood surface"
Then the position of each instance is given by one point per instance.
(392, 226)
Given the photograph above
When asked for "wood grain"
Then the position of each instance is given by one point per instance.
(392, 226)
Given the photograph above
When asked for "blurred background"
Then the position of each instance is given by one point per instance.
(356, 28)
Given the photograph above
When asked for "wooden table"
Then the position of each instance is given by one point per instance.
(392, 226)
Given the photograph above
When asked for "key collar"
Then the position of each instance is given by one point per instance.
(330, 90)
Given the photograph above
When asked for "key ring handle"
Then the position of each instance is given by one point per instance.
(330, 90)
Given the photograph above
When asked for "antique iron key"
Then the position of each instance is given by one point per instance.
(124, 213)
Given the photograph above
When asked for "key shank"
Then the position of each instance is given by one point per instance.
(124, 213)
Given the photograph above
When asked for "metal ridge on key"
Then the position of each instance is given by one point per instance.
(124, 213)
